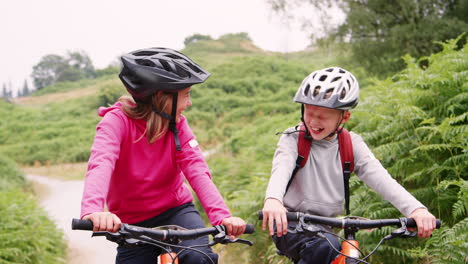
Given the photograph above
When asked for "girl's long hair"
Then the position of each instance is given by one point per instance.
(156, 125)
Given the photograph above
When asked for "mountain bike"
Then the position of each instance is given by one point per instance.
(164, 237)
(350, 252)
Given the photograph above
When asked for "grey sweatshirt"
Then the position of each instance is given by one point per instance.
(318, 187)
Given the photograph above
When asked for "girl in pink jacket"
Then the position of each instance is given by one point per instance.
(143, 152)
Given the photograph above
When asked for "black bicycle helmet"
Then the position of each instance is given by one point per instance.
(148, 71)
(332, 87)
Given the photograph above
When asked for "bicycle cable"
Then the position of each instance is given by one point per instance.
(339, 252)
(160, 244)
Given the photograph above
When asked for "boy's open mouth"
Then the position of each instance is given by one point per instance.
(317, 130)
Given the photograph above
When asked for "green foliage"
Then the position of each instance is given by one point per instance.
(27, 235)
(10, 175)
(448, 245)
(417, 123)
(108, 94)
(56, 133)
(239, 43)
(70, 86)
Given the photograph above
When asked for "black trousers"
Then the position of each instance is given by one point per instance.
(306, 250)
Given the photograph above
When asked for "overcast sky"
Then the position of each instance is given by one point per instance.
(104, 29)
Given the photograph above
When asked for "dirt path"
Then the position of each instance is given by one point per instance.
(62, 199)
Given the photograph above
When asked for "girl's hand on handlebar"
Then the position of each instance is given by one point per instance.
(425, 221)
(235, 226)
(274, 211)
(104, 221)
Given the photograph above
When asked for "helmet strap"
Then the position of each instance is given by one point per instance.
(172, 119)
(338, 128)
(307, 133)
(164, 115)
(172, 122)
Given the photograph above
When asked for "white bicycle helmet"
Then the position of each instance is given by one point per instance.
(332, 87)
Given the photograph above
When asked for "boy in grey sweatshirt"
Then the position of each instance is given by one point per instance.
(326, 96)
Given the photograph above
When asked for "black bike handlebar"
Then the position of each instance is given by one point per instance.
(78, 224)
(348, 222)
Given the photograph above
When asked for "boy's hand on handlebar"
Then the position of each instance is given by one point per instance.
(104, 221)
(235, 226)
(425, 221)
(275, 212)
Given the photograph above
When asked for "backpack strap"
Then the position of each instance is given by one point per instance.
(345, 145)
(304, 144)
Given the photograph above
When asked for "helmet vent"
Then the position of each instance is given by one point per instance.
(172, 56)
(343, 94)
(144, 53)
(342, 71)
(193, 67)
(329, 70)
(181, 72)
(166, 66)
(323, 78)
(328, 93)
(316, 90)
(145, 62)
(336, 79)
(306, 90)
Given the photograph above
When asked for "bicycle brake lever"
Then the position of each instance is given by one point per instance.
(118, 238)
(227, 240)
(401, 232)
(242, 241)
(308, 230)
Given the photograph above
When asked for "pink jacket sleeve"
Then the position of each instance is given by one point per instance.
(104, 154)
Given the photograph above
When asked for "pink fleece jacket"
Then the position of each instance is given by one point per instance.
(138, 180)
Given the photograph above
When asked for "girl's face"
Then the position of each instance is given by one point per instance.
(183, 101)
(321, 121)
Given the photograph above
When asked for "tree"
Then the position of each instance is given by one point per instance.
(48, 70)
(195, 38)
(4, 91)
(237, 36)
(7, 91)
(381, 31)
(53, 68)
(80, 61)
(26, 90)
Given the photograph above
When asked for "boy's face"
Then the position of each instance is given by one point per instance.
(322, 121)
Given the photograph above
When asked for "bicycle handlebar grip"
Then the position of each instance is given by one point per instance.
(411, 223)
(78, 224)
(291, 216)
(249, 229)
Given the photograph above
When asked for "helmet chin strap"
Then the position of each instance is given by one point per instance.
(338, 129)
(172, 119)
(307, 134)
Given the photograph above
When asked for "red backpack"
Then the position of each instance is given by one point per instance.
(345, 146)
